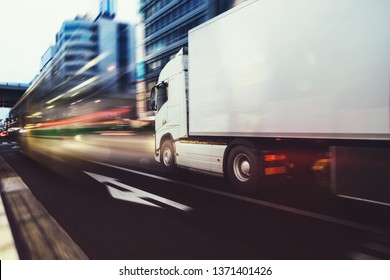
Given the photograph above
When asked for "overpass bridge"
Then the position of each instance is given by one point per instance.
(10, 93)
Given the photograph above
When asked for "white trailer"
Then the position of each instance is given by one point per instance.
(269, 74)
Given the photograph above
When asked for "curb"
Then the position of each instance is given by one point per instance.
(7, 244)
(36, 234)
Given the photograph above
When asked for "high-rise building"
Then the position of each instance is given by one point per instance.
(86, 48)
(107, 8)
(93, 51)
(88, 72)
(76, 45)
(165, 25)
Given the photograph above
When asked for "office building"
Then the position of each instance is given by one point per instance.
(93, 54)
(165, 25)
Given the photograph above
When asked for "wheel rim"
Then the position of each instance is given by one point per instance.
(242, 167)
(167, 156)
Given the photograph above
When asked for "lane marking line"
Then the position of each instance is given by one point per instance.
(365, 200)
(355, 255)
(289, 209)
(374, 246)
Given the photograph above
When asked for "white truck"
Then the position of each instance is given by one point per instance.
(269, 75)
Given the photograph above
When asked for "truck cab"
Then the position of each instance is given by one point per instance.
(169, 99)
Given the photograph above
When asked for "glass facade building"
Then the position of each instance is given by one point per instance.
(80, 42)
(100, 49)
(76, 45)
(165, 25)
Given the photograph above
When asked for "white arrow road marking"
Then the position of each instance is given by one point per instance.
(280, 207)
(133, 194)
(128, 196)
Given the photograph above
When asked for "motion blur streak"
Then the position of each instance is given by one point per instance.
(82, 119)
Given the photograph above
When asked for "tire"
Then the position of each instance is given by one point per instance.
(167, 156)
(243, 169)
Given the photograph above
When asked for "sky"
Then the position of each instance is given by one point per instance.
(28, 28)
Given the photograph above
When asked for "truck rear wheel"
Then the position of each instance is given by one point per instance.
(167, 155)
(243, 168)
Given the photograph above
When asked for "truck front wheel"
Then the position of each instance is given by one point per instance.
(243, 168)
(168, 155)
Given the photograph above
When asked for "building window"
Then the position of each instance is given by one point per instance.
(155, 65)
(172, 37)
(177, 13)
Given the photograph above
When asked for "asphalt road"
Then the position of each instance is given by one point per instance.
(118, 204)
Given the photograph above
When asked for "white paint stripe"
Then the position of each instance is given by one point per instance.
(261, 202)
(360, 256)
(137, 194)
(142, 193)
(364, 200)
(376, 247)
(129, 196)
(7, 244)
(382, 238)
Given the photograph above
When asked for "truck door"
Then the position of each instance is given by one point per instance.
(173, 111)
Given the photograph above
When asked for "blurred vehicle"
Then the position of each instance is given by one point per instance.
(267, 79)
(4, 133)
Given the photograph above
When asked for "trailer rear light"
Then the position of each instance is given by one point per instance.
(321, 165)
(274, 157)
(275, 170)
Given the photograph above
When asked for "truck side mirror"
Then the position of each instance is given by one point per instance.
(162, 94)
(158, 96)
(153, 94)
